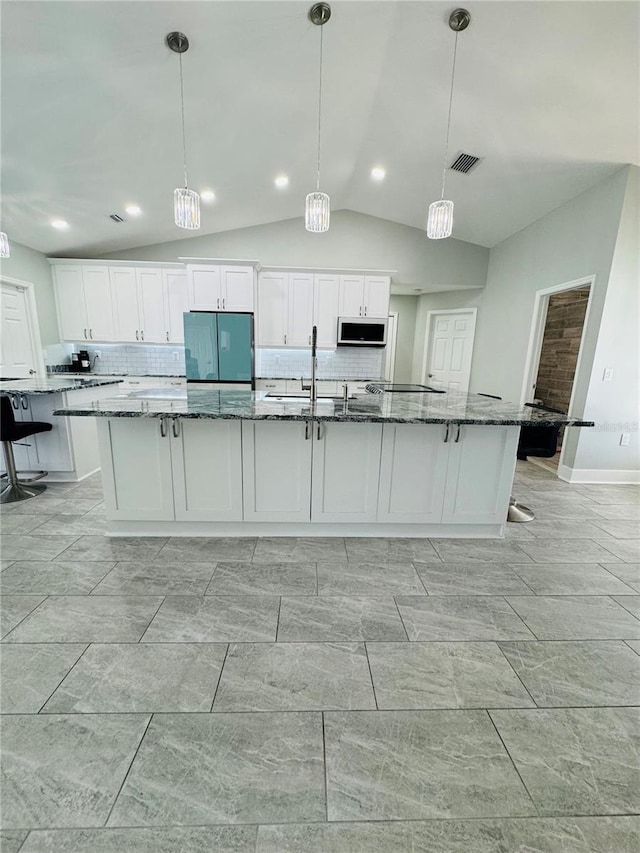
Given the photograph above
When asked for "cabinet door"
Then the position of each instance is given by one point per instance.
(125, 303)
(326, 299)
(204, 288)
(98, 302)
(206, 459)
(300, 310)
(276, 472)
(376, 296)
(153, 327)
(351, 296)
(413, 471)
(53, 448)
(72, 312)
(236, 288)
(271, 318)
(480, 474)
(136, 468)
(176, 303)
(346, 472)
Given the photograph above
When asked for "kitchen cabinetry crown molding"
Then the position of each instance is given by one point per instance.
(108, 262)
(327, 270)
(223, 261)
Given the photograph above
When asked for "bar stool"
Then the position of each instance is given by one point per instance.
(12, 430)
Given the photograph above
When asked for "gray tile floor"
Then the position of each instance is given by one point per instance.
(323, 695)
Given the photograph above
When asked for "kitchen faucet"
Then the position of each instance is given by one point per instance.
(314, 364)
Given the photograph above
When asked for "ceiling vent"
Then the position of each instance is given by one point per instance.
(464, 163)
(116, 217)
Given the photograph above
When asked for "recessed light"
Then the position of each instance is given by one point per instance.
(60, 224)
(207, 195)
(281, 181)
(378, 173)
(133, 210)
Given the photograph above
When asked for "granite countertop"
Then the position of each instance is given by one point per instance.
(51, 385)
(374, 408)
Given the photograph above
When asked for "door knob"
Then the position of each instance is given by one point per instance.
(32, 372)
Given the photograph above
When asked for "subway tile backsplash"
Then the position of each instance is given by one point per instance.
(343, 363)
(138, 359)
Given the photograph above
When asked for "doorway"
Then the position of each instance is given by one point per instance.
(21, 356)
(559, 326)
(448, 348)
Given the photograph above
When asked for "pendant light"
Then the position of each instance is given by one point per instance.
(186, 202)
(440, 219)
(4, 246)
(318, 205)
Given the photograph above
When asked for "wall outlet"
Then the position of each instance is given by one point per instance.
(176, 355)
(97, 353)
(625, 439)
(607, 376)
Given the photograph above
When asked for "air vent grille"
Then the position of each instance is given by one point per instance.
(116, 217)
(464, 163)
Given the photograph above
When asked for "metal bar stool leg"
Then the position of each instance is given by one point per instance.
(518, 512)
(15, 490)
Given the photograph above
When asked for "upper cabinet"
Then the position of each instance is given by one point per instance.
(326, 295)
(138, 299)
(285, 309)
(214, 287)
(364, 296)
(85, 309)
(176, 302)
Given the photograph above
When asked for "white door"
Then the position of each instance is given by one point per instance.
(176, 304)
(346, 472)
(450, 350)
(271, 320)
(300, 310)
(236, 289)
(16, 339)
(98, 302)
(124, 289)
(72, 312)
(276, 473)
(352, 296)
(153, 327)
(326, 298)
(204, 288)
(482, 460)
(206, 459)
(413, 473)
(376, 296)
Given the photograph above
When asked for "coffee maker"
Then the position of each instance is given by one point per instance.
(80, 362)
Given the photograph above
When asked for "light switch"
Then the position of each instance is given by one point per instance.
(607, 376)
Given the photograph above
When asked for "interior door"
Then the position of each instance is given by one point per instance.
(97, 296)
(16, 341)
(450, 350)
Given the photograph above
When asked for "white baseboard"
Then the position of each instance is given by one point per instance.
(597, 475)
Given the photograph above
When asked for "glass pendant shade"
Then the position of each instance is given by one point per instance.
(4, 245)
(317, 212)
(186, 208)
(440, 220)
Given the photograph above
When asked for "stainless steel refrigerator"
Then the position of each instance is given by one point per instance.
(219, 349)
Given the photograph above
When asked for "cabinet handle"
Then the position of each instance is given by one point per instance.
(137, 338)
(309, 340)
(306, 430)
(142, 334)
(85, 334)
(218, 303)
(446, 435)
(457, 438)
(163, 428)
(15, 402)
(224, 304)
(175, 427)
(167, 335)
(285, 339)
(360, 314)
(318, 433)
(365, 310)
(24, 402)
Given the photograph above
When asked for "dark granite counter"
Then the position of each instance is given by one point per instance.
(376, 408)
(51, 385)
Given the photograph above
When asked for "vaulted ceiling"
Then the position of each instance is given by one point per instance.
(546, 93)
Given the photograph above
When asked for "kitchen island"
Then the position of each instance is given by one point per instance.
(69, 452)
(240, 463)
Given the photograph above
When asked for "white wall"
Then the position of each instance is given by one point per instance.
(28, 265)
(574, 241)
(406, 307)
(353, 241)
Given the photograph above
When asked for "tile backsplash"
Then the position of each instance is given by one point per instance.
(343, 363)
(138, 359)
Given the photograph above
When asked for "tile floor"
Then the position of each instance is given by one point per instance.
(325, 695)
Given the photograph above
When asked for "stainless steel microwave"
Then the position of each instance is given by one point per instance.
(362, 332)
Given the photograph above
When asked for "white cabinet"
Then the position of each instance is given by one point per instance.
(364, 296)
(84, 303)
(276, 470)
(480, 473)
(176, 303)
(285, 309)
(326, 298)
(138, 300)
(125, 303)
(271, 385)
(215, 287)
(346, 471)
(412, 473)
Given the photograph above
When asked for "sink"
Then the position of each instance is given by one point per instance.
(299, 398)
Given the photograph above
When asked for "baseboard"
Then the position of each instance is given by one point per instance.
(597, 475)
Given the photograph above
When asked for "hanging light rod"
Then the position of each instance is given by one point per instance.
(186, 202)
(318, 204)
(440, 218)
